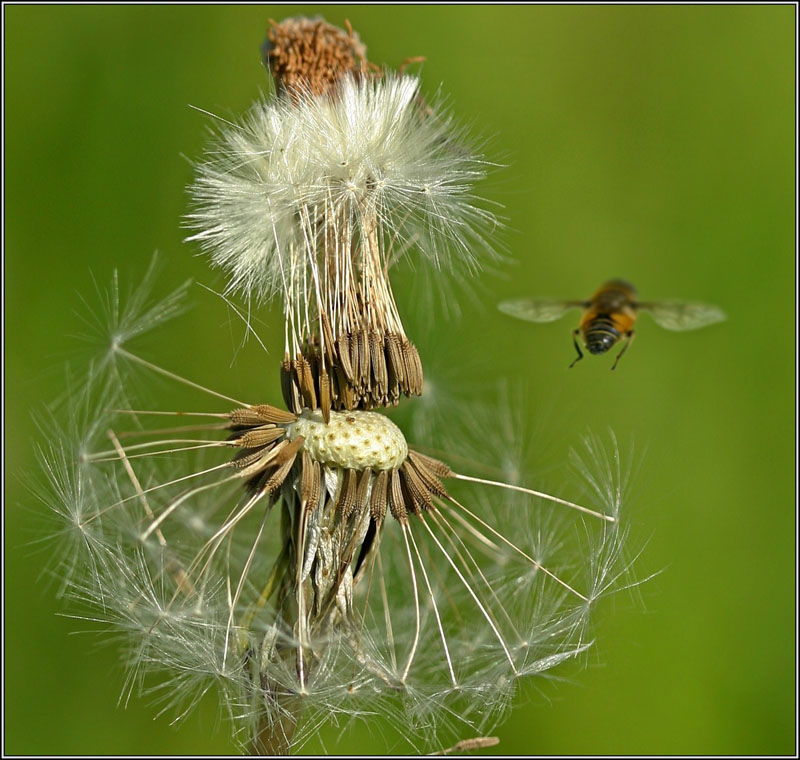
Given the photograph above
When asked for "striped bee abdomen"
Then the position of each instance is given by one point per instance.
(600, 333)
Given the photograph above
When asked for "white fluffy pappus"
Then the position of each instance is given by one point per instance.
(373, 166)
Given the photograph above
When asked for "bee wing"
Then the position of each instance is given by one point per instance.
(679, 315)
(538, 309)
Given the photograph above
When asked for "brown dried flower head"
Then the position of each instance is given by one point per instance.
(309, 56)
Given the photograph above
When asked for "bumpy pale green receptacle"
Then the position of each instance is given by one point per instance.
(353, 440)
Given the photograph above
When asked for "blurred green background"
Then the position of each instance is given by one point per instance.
(652, 143)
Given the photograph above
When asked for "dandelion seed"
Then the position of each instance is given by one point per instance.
(466, 745)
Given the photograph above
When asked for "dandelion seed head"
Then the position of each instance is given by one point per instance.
(246, 547)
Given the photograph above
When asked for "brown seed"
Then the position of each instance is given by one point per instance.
(274, 481)
(273, 414)
(347, 398)
(260, 460)
(289, 389)
(410, 367)
(394, 394)
(415, 488)
(347, 494)
(260, 436)
(394, 361)
(305, 380)
(285, 459)
(377, 501)
(420, 373)
(364, 361)
(327, 336)
(309, 482)
(439, 469)
(246, 457)
(379, 372)
(363, 490)
(355, 361)
(245, 416)
(325, 395)
(428, 478)
(397, 504)
(343, 351)
(413, 369)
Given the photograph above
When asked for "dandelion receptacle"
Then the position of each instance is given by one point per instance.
(305, 560)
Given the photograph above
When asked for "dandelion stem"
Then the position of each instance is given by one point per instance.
(435, 612)
(103, 456)
(531, 492)
(302, 530)
(175, 504)
(240, 585)
(447, 530)
(167, 414)
(135, 481)
(386, 614)
(178, 378)
(416, 605)
(178, 429)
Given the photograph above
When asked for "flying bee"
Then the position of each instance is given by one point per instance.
(610, 314)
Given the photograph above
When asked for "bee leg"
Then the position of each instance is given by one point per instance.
(628, 341)
(575, 334)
